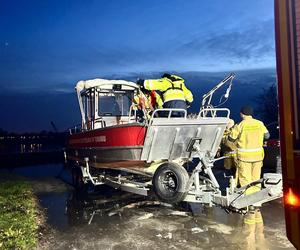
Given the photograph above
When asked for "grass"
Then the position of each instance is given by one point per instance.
(18, 216)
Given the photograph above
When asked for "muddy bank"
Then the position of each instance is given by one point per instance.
(110, 220)
(161, 227)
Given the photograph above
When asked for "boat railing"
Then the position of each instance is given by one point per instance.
(76, 129)
(81, 127)
(169, 113)
(90, 125)
(158, 113)
(101, 121)
(133, 114)
(182, 113)
(214, 112)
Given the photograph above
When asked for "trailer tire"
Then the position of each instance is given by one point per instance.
(170, 182)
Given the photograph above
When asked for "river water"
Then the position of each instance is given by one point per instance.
(110, 219)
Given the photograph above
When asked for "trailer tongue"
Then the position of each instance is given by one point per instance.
(156, 154)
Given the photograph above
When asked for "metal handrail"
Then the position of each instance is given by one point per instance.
(77, 128)
(204, 112)
(101, 120)
(134, 116)
(169, 110)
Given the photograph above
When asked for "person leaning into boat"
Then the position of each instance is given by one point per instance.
(249, 136)
(153, 98)
(141, 105)
(146, 101)
(174, 92)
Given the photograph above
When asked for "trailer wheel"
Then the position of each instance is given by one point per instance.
(170, 182)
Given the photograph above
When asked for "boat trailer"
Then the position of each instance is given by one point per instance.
(167, 139)
(170, 144)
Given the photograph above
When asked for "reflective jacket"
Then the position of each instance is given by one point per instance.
(249, 136)
(171, 89)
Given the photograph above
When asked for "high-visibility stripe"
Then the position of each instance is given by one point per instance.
(230, 154)
(250, 154)
(258, 221)
(248, 150)
(249, 221)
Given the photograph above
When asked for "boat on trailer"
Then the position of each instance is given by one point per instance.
(113, 146)
(109, 134)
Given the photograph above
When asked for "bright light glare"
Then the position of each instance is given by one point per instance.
(292, 199)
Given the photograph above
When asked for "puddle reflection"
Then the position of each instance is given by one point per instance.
(85, 208)
(151, 223)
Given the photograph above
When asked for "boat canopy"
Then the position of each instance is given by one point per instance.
(104, 84)
(89, 103)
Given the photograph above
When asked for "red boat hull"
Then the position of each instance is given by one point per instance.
(121, 145)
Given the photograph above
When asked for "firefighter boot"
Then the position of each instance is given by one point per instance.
(249, 230)
(261, 242)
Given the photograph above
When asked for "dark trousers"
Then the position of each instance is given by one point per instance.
(175, 104)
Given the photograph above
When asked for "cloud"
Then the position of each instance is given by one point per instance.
(43, 64)
(251, 44)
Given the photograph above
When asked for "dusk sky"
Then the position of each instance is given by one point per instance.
(50, 45)
(47, 46)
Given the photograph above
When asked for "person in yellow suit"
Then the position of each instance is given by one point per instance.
(249, 136)
(174, 92)
(228, 148)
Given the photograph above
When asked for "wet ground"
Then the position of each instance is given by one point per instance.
(110, 219)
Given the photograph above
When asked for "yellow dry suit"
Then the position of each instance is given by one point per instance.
(172, 89)
(249, 137)
(249, 134)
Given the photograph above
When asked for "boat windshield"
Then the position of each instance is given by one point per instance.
(115, 103)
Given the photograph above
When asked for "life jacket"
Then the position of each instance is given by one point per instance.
(175, 89)
(172, 88)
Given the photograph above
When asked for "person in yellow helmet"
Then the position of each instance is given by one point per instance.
(249, 136)
(174, 92)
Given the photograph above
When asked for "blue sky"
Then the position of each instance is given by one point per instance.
(52, 44)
